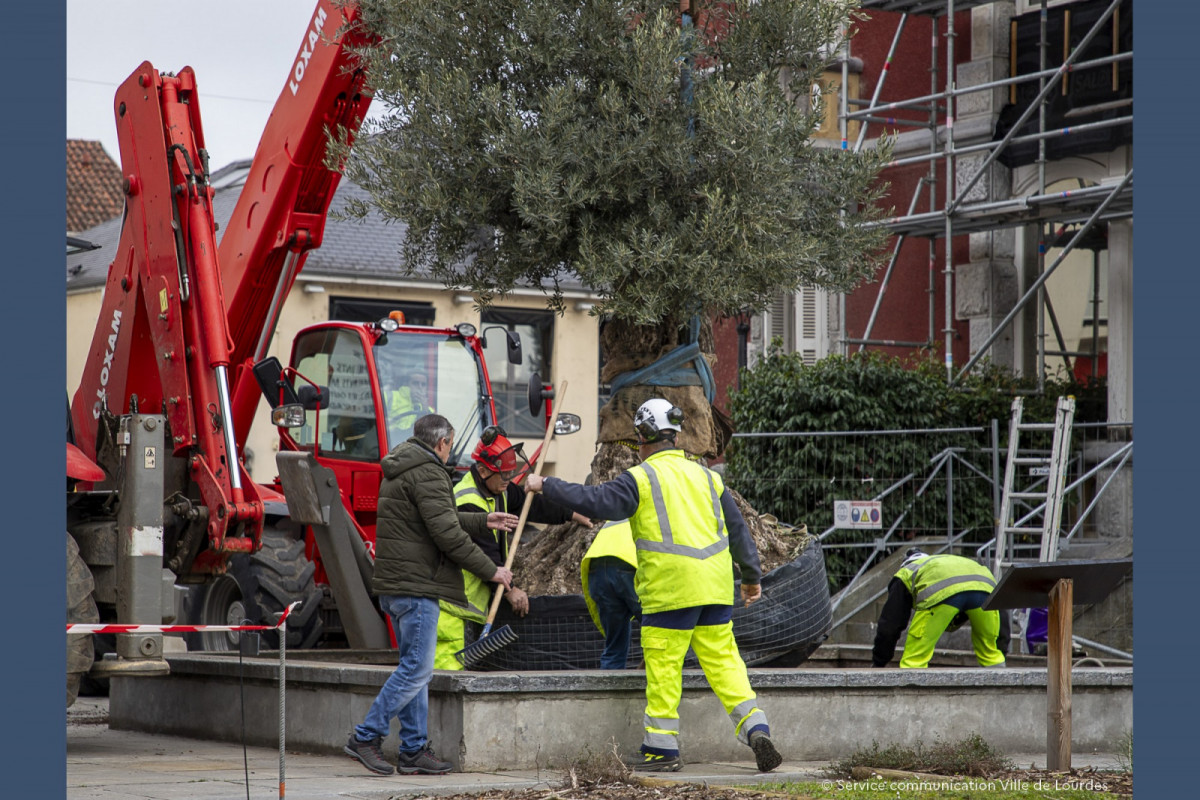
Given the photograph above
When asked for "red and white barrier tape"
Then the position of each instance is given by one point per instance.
(101, 628)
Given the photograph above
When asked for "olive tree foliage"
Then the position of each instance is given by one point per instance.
(672, 169)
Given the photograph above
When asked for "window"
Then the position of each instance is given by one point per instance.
(347, 428)
(510, 382)
(799, 321)
(356, 309)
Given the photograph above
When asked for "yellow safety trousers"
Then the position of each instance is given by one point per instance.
(450, 639)
(929, 624)
(664, 650)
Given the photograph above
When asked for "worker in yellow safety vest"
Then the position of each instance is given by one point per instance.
(688, 532)
(607, 573)
(488, 487)
(940, 592)
(407, 402)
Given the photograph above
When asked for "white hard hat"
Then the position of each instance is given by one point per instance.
(655, 416)
(913, 555)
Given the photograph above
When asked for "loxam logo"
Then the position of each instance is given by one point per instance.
(307, 49)
(102, 391)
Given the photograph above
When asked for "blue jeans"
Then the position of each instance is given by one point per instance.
(405, 695)
(610, 583)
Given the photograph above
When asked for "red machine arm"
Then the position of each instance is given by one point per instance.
(281, 212)
(161, 336)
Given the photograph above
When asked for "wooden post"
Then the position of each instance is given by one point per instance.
(1058, 676)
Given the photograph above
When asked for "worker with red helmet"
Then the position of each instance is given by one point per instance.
(488, 486)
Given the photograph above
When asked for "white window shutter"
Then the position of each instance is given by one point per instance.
(812, 338)
(780, 322)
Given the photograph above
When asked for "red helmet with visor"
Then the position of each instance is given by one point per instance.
(497, 453)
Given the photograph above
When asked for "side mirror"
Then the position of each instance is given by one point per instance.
(514, 344)
(278, 391)
(567, 424)
(514, 348)
(538, 394)
(313, 398)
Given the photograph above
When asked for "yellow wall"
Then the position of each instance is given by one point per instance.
(83, 309)
(575, 356)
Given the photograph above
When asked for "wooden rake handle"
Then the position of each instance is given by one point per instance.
(537, 470)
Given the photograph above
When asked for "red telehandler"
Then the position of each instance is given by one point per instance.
(178, 365)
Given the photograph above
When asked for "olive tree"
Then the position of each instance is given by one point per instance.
(665, 160)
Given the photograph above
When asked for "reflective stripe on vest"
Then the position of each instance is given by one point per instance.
(668, 545)
(933, 589)
(679, 531)
(931, 580)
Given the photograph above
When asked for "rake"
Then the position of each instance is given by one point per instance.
(490, 641)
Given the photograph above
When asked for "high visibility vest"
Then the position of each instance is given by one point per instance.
(402, 412)
(680, 535)
(931, 580)
(479, 594)
(613, 539)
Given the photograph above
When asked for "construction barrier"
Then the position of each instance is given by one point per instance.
(281, 626)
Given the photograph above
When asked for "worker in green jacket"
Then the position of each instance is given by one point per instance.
(941, 591)
(607, 573)
(422, 545)
(688, 532)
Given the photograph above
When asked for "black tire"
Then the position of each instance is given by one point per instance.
(256, 588)
(81, 607)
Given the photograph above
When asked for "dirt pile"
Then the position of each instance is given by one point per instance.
(549, 564)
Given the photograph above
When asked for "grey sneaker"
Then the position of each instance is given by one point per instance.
(422, 762)
(766, 757)
(369, 753)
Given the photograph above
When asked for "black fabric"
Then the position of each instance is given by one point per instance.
(783, 628)
(1090, 94)
(892, 621)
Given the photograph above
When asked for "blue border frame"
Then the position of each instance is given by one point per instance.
(32, 213)
(32, 217)
(1165, 397)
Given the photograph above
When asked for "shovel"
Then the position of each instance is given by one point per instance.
(490, 641)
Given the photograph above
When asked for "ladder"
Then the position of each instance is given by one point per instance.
(1041, 486)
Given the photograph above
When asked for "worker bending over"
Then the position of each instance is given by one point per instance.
(607, 573)
(945, 590)
(487, 487)
(685, 528)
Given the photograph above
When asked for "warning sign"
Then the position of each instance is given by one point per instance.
(857, 514)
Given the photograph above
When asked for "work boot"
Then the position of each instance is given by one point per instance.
(422, 762)
(653, 762)
(766, 757)
(369, 753)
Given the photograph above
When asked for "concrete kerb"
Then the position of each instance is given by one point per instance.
(127, 765)
(519, 721)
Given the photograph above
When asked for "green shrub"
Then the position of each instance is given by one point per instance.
(798, 478)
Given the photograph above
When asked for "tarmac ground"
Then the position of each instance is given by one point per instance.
(105, 764)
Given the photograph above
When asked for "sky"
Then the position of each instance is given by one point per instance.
(242, 52)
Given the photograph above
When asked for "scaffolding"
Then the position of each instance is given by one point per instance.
(1071, 217)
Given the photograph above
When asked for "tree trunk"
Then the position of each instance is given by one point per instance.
(627, 348)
